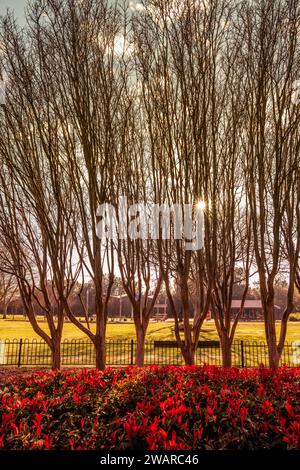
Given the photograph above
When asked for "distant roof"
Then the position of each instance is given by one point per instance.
(249, 304)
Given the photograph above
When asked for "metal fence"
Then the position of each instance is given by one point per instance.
(81, 352)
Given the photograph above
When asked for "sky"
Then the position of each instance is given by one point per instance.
(16, 5)
(19, 5)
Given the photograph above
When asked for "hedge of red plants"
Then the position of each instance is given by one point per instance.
(153, 408)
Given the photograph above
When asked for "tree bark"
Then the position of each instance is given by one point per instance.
(100, 350)
(56, 356)
(188, 352)
(226, 351)
(189, 355)
(274, 356)
(140, 347)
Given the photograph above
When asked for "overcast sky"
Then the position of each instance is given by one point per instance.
(19, 5)
(16, 5)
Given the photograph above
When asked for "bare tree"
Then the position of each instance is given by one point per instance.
(158, 36)
(192, 102)
(269, 58)
(25, 257)
(36, 198)
(296, 220)
(136, 250)
(8, 290)
(83, 48)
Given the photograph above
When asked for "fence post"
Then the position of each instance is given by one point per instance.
(20, 352)
(242, 353)
(131, 352)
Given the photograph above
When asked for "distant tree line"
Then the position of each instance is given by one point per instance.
(119, 306)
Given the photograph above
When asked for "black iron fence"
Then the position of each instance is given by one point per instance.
(81, 352)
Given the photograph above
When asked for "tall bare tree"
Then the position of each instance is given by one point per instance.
(136, 250)
(36, 198)
(193, 111)
(269, 57)
(83, 48)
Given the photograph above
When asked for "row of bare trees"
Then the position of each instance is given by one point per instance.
(170, 103)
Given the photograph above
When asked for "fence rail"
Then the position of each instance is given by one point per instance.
(81, 352)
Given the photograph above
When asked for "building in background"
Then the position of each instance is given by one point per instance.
(253, 310)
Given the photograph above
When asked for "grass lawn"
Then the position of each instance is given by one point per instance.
(82, 352)
(10, 329)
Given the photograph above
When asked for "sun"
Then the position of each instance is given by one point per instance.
(201, 205)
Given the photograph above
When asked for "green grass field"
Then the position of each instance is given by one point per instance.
(121, 351)
(10, 329)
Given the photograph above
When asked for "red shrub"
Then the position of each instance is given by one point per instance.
(153, 408)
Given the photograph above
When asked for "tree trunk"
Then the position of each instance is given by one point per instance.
(100, 351)
(56, 345)
(274, 356)
(189, 355)
(4, 312)
(226, 351)
(188, 352)
(140, 347)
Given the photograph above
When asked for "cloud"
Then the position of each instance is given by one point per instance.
(136, 6)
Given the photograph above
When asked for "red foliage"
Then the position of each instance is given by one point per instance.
(152, 408)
